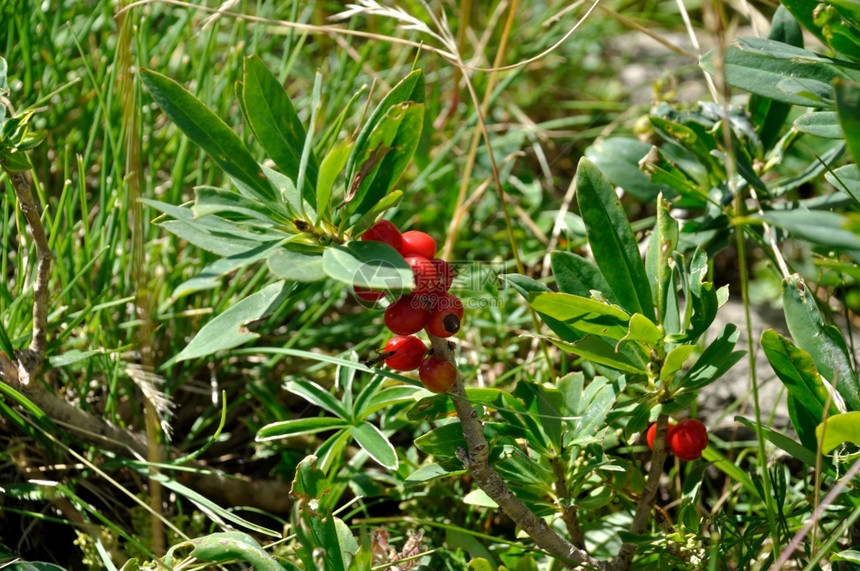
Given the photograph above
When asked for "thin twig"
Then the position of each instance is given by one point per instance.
(568, 515)
(649, 494)
(475, 457)
(30, 210)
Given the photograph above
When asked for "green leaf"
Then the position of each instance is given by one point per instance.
(796, 370)
(660, 263)
(848, 107)
(803, 11)
(600, 352)
(211, 200)
(823, 342)
(209, 277)
(526, 286)
(297, 426)
(821, 124)
(776, 70)
(369, 218)
(715, 360)
(410, 88)
(371, 265)
(583, 314)
(674, 361)
(210, 133)
(388, 151)
(371, 439)
(232, 545)
(768, 115)
(838, 430)
(428, 473)
(576, 275)
(618, 158)
(846, 178)
(644, 333)
(827, 229)
(591, 404)
(331, 168)
(612, 242)
(443, 441)
(275, 123)
(728, 467)
(306, 267)
(309, 483)
(229, 330)
(795, 449)
(317, 395)
(849, 555)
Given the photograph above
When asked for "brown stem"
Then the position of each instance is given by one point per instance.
(30, 210)
(568, 514)
(475, 457)
(646, 500)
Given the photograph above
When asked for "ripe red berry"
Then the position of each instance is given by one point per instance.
(407, 315)
(652, 434)
(404, 353)
(444, 275)
(424, 274)
(384, 231)
(437, 374)
(446, 315)
(416, 243)
(368, 294)
(688, 439)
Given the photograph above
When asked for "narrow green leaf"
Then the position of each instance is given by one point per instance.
(331, 169)
(410, 88)
(210, 276)
(796, 370)
(275, 123)
(821, 124)
(526, 286)
(210, 200)
(846, 178)
(389, 149)
(229, 330)
(371, 439)
(584, 314)
(602, 353)
(576, 275)
(838, 430)
(717, 358)
(317, 395)
(288, 263)
(233, 545)
(618, 158)
(428, 473)
(826, 229)
(823, 342)
(368, 264)
(776, 70)
(297, 426)
(210, 133)
(795, 449)
(612, 242)
(848, 107)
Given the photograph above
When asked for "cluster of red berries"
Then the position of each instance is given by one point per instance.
(686, 440)
(429, 306)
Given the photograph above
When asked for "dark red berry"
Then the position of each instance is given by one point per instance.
(384, 231)
(407, 315)
(424, 274)
(446, 316)
(416, 243)
(437, 374)
(444, 275)
(404, 353)
(652, 433)
(689, 439)
(368, 294)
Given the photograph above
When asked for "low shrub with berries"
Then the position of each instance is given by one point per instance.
(429, 307)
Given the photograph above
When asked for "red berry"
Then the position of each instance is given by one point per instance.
(688, 439)
(446, 315)
(415, 243)
(652, 433)
(437, 374)
(424, 274)
(444, 275)
(407, 315)
(404, 353)
(368, 294)
(384, 231)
